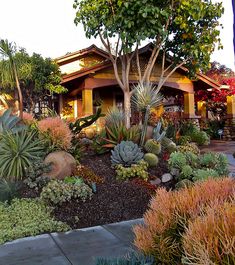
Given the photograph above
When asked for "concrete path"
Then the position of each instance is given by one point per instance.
(78, 247)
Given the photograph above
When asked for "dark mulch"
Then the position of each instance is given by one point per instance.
(113, 202)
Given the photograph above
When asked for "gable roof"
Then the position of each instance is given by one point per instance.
(107, 63)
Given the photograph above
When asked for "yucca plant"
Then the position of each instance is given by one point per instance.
(17, 152)
(145, 97)
(10, 123)
(114, 116)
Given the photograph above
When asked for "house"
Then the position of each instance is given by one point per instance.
(89, 77)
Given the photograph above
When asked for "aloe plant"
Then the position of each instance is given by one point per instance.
(9, 122)
(17, 153)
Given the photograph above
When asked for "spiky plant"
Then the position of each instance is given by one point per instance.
(151, 159)
(8, 190)
(115, 116)
(153, 146)
(18, 152)
(145, 97)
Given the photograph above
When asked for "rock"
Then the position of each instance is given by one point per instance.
(149, 133)
(62, 163)
(156, 181)
(86, 141)
(175, 172)
(166, 177)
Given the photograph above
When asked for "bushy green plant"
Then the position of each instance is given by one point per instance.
(8, 190)
(27, 217)
(186, 172)
(202, 174)
(75, 180)
(138, 170)
(184, 140)
(36, 175)
(168, 145)
(151, 159)
(177, 160)
(153, 146)
(126, 153)
(10, 123)
(17, 153)
(57, 192)
(200, 137)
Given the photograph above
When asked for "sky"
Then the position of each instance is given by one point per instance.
(46, 27)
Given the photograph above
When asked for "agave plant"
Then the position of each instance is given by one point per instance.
(145, 97)
(115, 117)
(10, 123)
(17, 153)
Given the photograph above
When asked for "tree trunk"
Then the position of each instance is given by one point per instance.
(127, 108)
(19, 93)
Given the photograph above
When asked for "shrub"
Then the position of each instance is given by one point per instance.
(202, 174)
(184, 140)
(209, 239)
(168, 145)
(200, 137)
(88, 175)
(18, 152)
(56, 133)
(151, 159)
(153, 146)
(36, 175)
(8, 190)
(57, 192)
(177, 160)
(26, 217)
(187, 172)
(189, 147)
(126, 153)
(135, 171)
(28, 118)
(169, 214)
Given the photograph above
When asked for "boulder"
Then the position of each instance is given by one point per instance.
(156, 181)
(175, 172)
(166, 177)
(62, 164)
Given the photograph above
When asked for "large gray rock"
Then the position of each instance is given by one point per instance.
(156, 181)
(62, 163)
(166, 177)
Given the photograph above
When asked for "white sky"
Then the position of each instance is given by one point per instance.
(46, 27)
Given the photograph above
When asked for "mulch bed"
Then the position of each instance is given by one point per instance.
(114, 200)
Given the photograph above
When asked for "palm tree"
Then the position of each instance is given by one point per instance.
(9, 70)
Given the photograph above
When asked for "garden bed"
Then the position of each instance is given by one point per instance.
(114, 200)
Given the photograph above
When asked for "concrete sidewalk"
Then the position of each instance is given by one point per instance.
(78, 247)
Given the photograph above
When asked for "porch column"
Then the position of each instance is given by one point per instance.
(189, 105)
(231, 106)
(87, 102)
(201, 106)
(75, 107)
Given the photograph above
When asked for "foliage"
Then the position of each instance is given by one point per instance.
(145, 97)
(219, 72)
(131, 259)
(28, 118)
(88, 175)
(81, 123)
(18, 152)
(158, 134)
(184, 140)
(57, 192)
(211, 127)
(27, 217)
(202, 174)
(187, 172)
(8, 190)
(189, 147)
(151, 159)
(115, 117)
(126, 153)
(36, 175)
(10, 123)
(138, 170)
(177, 160)
(171, 212)
(200, 137)
(55, 133)
(153, 146)
(209, 239)
(75, 180)
(168, 145)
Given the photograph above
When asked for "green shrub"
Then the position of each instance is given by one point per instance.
(17, 153)
(34, 178)
(151, 159)
(177, 160)
(168, 145)
(135, 171)
(57, 192)
(202, 174)
(187, 172)
(189, 147)
(26, 217)
(184, 140)
(126, 153)
(8, 190)
(153, 146)
(200, 137)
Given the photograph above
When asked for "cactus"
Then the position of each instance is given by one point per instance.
(151, 159)
(153, 146)
(126, 153)
(157, 134)
(168, 145)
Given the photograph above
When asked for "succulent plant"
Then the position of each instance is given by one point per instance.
(10, 123)
(151, 159)
(153, 146)
(187, 172)
(126, 153)
(168, 145)
(157, 134)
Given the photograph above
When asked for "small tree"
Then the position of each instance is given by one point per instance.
(183, 30)
(8, 70)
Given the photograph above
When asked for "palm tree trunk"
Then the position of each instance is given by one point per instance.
(19, 92)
